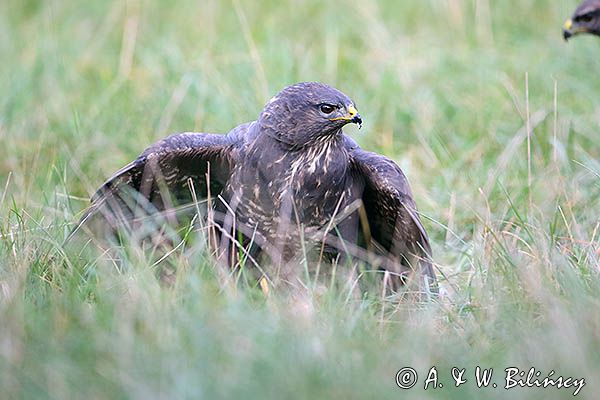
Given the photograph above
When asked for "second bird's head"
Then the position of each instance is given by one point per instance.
(585, 19)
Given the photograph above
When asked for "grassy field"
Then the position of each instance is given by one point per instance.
(493, 117)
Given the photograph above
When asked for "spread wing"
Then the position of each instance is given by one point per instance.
(390, 223)
(166, 176)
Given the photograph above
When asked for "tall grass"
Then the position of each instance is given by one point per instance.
(493, 118)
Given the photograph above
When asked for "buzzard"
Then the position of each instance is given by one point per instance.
(275, 186)
(585, 19)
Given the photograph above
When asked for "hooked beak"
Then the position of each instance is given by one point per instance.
(571, 29)
(353, 116)
(567, 33)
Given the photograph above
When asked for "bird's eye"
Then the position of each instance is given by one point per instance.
(585, 18)
(327, 108)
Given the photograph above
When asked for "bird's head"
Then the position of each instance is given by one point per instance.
(307, 112)
(585, 19)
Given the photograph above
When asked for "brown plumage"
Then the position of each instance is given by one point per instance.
(290, 178)
(585, 19)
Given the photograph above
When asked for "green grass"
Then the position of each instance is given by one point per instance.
(447, 88)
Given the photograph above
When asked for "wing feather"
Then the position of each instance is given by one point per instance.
(158, 180)
(391, 213)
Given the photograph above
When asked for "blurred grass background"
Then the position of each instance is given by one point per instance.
(448, 88)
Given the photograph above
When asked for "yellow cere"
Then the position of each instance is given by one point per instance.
(568, 24)
(352, 111)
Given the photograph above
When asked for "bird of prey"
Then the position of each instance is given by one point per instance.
(585, 19)
(290, 179)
